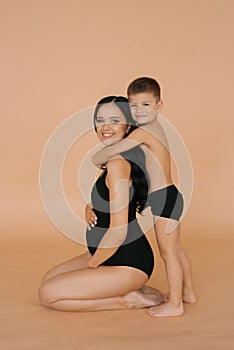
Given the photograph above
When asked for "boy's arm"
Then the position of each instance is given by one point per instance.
(137, 137)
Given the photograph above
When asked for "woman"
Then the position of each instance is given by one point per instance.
(119, 260)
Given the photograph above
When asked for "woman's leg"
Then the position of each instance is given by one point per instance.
(104, 288)
(77, 263)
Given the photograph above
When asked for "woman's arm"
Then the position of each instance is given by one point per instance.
(118, 182)
(90, 216)
(137, 137)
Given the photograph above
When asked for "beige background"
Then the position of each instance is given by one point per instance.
(58, 57)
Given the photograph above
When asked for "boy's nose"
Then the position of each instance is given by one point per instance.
(140, 109)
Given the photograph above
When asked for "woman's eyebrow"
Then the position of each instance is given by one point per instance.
(110, 117)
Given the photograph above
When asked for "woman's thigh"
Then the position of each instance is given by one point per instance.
(79, 262)
(87, 284)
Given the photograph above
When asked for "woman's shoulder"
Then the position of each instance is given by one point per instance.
(118, 167)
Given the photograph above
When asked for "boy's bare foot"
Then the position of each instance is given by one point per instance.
(186, 298)
(137, 299)
(166, 310)
(189, 297)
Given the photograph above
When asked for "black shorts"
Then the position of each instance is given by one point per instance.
(166, 202)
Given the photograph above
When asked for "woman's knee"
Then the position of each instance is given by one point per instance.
(47, 276)
(46, 294)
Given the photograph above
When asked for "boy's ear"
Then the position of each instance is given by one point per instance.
(159, 105)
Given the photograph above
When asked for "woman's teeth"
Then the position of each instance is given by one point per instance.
(107, 134)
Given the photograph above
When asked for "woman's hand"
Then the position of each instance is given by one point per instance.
(90, 261)
(90, 265)
(90, 217)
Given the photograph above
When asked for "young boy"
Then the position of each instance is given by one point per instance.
(164, 198)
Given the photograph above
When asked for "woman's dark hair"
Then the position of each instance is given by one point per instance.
(135, 156)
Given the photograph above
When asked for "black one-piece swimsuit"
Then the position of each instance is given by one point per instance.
(135, 251)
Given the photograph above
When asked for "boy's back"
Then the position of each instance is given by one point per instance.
(157, 155)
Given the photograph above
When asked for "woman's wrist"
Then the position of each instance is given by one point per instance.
(91, 264)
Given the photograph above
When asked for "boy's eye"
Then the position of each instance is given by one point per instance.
(146, 104)
(133, 105)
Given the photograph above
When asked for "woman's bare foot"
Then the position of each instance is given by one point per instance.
(153, 291)
(166, 310)
(138, 299)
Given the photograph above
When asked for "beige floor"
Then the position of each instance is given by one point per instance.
(25, 324)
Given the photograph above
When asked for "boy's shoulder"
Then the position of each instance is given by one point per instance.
(152, 128)
(154, 134)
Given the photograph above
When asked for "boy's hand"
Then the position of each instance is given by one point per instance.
(90, 217)
(100, 157)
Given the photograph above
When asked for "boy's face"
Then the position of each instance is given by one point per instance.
(144, 107)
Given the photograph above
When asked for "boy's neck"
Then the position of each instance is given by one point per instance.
(154, 121)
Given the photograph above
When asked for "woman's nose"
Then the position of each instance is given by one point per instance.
(106, 126)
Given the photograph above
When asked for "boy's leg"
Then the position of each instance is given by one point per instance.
(168, 245)
(188, 295)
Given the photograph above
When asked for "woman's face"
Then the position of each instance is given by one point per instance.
(111, 124)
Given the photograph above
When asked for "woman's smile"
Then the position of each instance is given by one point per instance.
(107, 134)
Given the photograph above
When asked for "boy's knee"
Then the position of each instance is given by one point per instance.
(167, 254)
(164, 255)
(179, 250)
